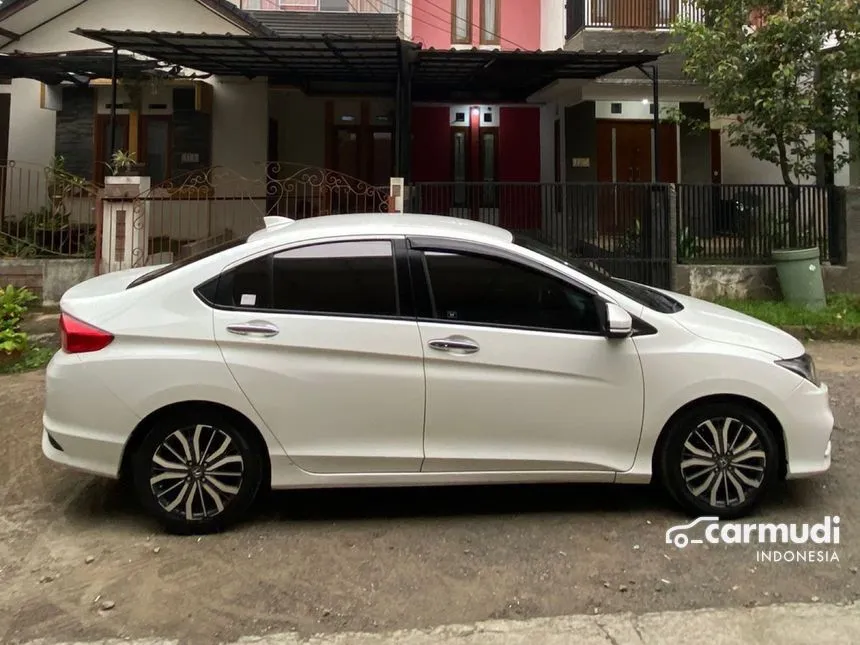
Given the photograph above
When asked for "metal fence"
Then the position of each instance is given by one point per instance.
(622, 229)
(46, 212)
(192, 212)
(744, 223)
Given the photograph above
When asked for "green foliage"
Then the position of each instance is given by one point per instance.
(34, 358)
(776, 83)
(842, 312)
(688, 245)
(121, 161)
(630, 242)
(60, 181)
(13, 306)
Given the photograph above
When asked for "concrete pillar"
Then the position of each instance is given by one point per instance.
(125, 224)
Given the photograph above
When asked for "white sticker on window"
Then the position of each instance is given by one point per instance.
(248, 299)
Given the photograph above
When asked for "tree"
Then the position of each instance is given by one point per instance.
(768, 69)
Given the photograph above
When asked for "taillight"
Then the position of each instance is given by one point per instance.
(78, 337)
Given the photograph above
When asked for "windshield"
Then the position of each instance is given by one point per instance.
(642, 294)
(183, 262)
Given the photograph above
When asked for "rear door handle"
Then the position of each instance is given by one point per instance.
(253, 328)
(455, 345)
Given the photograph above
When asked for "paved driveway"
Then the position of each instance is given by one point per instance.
(371, 560)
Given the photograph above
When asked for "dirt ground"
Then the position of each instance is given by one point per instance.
(78, 560)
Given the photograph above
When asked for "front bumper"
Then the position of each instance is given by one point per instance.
(808, 429)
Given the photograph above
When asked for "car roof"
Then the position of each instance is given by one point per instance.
(384, 224)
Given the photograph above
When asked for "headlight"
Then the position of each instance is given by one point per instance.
(802, 366)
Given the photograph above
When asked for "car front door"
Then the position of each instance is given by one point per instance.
(319, 340)
(519, 375)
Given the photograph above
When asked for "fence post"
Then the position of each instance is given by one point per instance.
(837, 220)
(672, 235)
(395, 197)
(99, 216)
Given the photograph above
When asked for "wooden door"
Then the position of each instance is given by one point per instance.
(381, 157)
(624, 158)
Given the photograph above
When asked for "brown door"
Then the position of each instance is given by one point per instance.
(381, 157)
(624, 152)
(346, 151)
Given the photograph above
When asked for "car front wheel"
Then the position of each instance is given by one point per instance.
(196, 473)
(719, 459)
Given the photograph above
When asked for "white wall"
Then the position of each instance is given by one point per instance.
(740, 167)
(552, 24)
(633, 110)
(31, 129)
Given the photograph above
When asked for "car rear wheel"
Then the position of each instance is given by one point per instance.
(197, 472)
(719, 459)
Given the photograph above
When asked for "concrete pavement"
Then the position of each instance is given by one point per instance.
(790, 624)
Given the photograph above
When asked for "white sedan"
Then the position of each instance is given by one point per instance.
(389, 350)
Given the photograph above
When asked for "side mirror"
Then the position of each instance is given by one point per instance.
(619, 323)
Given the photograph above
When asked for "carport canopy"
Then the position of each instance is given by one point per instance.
(329, 63)
(79, 67)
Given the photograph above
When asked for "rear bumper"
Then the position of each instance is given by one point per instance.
(808, 432)
(94, 456)
(89, 425)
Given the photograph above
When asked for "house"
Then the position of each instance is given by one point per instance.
(227, 120)
(535, 116)
(611, 116)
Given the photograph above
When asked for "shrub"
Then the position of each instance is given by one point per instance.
(13, 306)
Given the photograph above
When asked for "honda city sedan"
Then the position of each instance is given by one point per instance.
(390, 350)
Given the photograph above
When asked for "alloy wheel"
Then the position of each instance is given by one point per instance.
(196, 472)
(723, 462)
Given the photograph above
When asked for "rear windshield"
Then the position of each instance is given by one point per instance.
(184, 262)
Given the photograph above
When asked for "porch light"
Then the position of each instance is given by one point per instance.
(644, 101)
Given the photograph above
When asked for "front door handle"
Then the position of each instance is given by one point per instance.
(253, 328)
(455, 345)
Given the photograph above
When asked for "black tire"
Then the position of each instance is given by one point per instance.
(238, 459)
(688, 439)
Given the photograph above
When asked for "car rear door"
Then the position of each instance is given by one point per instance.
(323, 342)
(519, 374)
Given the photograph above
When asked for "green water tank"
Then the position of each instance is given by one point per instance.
(799, 272)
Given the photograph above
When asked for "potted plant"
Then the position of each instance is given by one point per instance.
(13, 306)
(125, 164)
